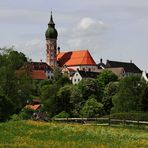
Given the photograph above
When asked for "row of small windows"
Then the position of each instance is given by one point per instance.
(76, 80)
(89, 69)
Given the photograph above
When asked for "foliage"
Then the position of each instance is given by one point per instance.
(109, 91)
(129, 95)
(26, 113)
(49, 98)
(76, 101)
(16, 60)
(144, 98)
(62, 114)
(56, 99)
(91, 108)
(70, 99)
(89, 98)
(106, 76)
(63, 95)
(6, 107)
(42, 84)
(63, 80)
(12, 87)
(88, 87)
(15, 117)
(57, 73)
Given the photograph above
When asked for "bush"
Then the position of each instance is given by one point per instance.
(15, 117)
(62, 114)
(143, 116)
(26, 113)
(91, 108)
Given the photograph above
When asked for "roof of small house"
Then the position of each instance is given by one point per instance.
(88, 74)
(33, 107)
(75, 58)
(38, 75)
(128, 67)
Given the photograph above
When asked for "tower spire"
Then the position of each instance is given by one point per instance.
(51, 22)
(51, 43)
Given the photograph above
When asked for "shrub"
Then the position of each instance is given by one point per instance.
(91, 108)
(26, 113)
(62, 114)
(15, 117)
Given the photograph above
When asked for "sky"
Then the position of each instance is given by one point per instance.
(110, 29)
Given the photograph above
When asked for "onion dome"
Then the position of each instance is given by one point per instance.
(51, 32)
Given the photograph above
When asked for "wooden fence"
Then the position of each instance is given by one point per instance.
(100, 121)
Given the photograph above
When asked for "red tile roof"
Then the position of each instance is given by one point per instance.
(33, 107)
(38, 75)
(74, 58)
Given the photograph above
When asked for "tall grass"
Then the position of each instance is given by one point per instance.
(31, 134)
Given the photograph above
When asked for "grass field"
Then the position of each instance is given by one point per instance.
(31, 134)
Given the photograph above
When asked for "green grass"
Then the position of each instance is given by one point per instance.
(31, 134)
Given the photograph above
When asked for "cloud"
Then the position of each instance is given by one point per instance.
(86, 34)
(33, 49)
(87, 23)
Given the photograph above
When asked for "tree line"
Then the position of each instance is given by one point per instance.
(89, 98)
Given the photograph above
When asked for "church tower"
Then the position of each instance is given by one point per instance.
(51, 43)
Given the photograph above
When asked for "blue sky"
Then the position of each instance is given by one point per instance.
(109, 29)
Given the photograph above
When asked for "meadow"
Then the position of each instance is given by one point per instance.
(33, 134)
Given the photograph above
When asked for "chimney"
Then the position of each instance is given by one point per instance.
(101, 60)
(58, 50)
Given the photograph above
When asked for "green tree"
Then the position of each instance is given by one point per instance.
(16, 88)
(129, 95)
(49, 98)
(76, 101)
(42, 84)
(105, 78)
(16, 60)
(91, 108)
(63, 95)
(57, 73)
(144, 98)
(109, 91)
(89, 87)
(6, 107)
(63, 80)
